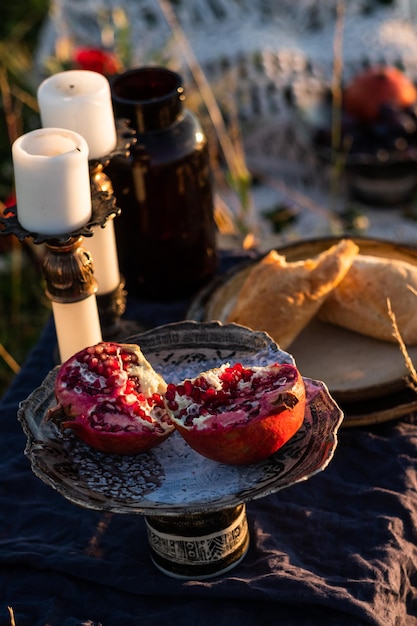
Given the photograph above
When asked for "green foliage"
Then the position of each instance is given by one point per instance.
(23, 306)
(19, 31)
(23, 16)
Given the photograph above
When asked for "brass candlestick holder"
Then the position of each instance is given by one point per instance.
(68, 271)
(68, 267)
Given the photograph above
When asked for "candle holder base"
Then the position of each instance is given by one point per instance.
(198, 545)
(67, 267)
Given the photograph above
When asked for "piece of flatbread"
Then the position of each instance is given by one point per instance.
(359, 302)
(281, 297)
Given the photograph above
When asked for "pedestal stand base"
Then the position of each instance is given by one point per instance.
(198, 545)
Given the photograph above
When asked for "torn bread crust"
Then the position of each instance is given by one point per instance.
(281, 297)
(359, 302)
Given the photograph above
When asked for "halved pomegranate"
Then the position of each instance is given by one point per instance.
(113, 398)
(238, 415)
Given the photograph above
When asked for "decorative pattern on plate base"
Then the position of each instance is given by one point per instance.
(198, 545)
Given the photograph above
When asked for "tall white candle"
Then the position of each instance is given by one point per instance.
(102, 247)
(77, 325)
(52, 181)
(80, 100)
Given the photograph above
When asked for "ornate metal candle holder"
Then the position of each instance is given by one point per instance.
(67, 266)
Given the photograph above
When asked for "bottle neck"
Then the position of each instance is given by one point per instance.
(151, 97)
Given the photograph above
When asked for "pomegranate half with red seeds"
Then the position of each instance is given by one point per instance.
(113, 399)
(238, 415)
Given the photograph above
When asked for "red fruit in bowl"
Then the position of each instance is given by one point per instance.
(112, 399)
(238, 415)
(377, 86)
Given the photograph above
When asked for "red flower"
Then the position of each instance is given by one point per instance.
(97, 61)
(11, 200)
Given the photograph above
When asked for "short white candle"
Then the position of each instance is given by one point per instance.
(102, 246)
(52, 181)
(77, 325)
(80, 100)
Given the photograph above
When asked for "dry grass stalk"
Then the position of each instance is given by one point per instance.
(7, 358)
(412, 379)
(14, 129)
(233, 153)
(337, 76)
(11, 614)
(236, 165)
(222, 216)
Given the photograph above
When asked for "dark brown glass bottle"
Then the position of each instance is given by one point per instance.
(166, 235)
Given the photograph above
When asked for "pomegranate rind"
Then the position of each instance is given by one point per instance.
(234, 437)
(136, 442)
(112, 399)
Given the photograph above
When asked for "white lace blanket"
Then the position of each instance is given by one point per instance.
(253, 52)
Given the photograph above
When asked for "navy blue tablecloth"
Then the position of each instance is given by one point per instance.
(338, 549)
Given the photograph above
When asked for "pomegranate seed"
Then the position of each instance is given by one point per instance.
(201, 382)
(170, 391)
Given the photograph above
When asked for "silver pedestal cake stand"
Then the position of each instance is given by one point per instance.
(194, 508)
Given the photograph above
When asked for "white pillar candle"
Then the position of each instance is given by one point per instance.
(77, 325)
(102, 247)
(80, 100)
(52, 181)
